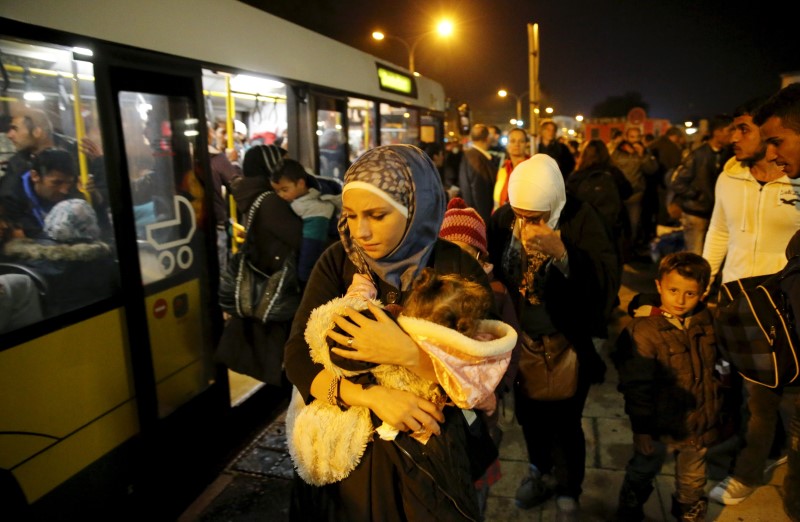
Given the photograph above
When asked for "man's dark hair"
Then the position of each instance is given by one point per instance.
(689, 265)
(750, 107)
(54, 159)
(719, 121)
(785, 104)
(674, 131)
(291, 170)
(480, 132)
(549, 122)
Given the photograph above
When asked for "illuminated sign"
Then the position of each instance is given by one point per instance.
(392, 80)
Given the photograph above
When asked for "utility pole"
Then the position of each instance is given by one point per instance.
(533, 80)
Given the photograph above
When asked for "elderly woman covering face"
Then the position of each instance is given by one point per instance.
(554, 250)
(392, 208)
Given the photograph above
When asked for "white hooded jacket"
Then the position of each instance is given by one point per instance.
(751, 224)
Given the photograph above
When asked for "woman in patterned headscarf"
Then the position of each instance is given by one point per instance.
(554, 250)
(392, 208)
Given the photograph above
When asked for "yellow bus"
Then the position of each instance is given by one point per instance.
(111, 404)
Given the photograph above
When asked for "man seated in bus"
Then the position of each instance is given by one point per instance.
(30, 132)
(29, 198)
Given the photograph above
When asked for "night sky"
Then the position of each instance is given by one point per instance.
(687, 59)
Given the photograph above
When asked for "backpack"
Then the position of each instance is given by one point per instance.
(598, 188)
(756, 329)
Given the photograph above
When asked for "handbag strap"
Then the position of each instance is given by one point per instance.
(251, 214)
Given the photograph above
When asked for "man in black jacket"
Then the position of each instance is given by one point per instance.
(694, 182)
(477, 174)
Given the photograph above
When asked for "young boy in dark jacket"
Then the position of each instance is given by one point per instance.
(665, 359)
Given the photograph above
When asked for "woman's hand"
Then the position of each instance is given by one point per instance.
(380, 341)
(540, 237)
(400, 409)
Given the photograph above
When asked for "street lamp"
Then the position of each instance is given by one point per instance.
(503, 93)
(445, 28)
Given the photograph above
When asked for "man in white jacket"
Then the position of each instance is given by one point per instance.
(756, 212)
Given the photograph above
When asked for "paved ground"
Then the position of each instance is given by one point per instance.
(256, 484)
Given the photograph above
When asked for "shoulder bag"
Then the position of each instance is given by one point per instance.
(548, 368)
(249, 293)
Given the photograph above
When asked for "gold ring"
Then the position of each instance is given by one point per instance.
(350, 342)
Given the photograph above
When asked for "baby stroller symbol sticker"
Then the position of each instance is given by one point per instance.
(168, 239)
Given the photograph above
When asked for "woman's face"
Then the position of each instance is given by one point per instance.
(375, 225)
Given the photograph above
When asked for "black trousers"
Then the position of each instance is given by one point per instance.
(554, 436)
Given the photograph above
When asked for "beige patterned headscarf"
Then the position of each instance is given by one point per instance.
(405, 176)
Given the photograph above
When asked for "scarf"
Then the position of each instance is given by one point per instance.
(405, 174)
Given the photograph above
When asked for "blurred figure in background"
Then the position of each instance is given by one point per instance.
(477, 173)
(638, 165)
(516, 153)
(693, 184)
(551, 146)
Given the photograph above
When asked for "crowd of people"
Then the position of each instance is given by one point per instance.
(553, 250)
(541, 235)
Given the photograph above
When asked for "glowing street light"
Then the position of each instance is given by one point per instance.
(504, 93)
(444, 28)
(549, 110)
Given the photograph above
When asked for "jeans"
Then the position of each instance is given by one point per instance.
(690, 470)
(633, 206)
(763, 408)
(694, 232)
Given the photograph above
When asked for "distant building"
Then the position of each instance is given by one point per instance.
(600, 128)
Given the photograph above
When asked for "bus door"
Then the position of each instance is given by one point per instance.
(175, 322)
(331, 135)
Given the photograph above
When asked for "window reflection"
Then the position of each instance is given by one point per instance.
(399, 125)
(361, 122)
(160, 135)
(330, 134)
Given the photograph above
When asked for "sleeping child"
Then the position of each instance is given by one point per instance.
(444, 314)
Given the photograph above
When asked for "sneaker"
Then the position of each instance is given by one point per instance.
(780, 462)
(567, 509)
(730, 492)
(532, 491)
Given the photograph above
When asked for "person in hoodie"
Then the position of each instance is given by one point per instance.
(754, 217)
(78, 267)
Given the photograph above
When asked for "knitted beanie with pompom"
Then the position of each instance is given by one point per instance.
(463, 224)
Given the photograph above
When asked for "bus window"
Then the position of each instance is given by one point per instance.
(160, 135)
(332, 142)
(259, 103)
(56, 234)
(430, 128)
(360, 126)
(399, 125)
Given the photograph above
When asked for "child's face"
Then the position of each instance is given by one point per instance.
(679, 295)
(289, 190)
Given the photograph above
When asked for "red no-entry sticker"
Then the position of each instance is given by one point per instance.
(160, 308)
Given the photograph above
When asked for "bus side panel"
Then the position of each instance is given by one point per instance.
(66, 399)
(176, 338)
